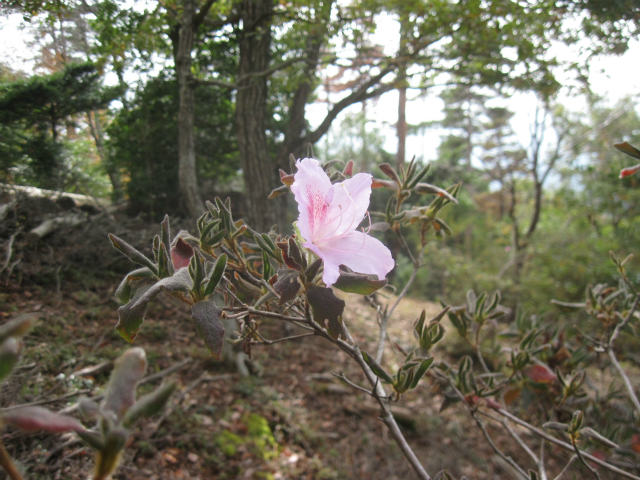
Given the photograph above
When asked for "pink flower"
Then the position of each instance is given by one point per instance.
(329, 216)
(625, 172)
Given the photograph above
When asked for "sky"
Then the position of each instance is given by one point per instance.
(610, 76)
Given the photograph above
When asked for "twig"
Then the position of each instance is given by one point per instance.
(9, 251)
(388, 313)
(520, 442)
(8, 465)
(496, 449)
(566, 467)
(387, 416)
(47, 401)
(168, 411)
(563, 444)
(265, 341)
(541, 470)
(147, 379)
(165, 372)
(352, 384)
(582, 460)
(614, 359)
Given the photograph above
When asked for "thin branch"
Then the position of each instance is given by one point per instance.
(566, 467)
(199, 17)
(8, 465)
(520, 442)
(614, 359)
(352, 384)
(496, 449)
(358, 95)
(165, 372)
(541, 470)
(265, 341)
(46, 401)
(625, 379)
(582, 460)
(563, 444)
(382, 335)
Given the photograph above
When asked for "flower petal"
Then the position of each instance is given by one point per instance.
(360, 252)
(312, 190)
(350, 202)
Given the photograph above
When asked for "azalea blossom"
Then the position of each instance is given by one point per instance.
(329, 217)
(625, 172)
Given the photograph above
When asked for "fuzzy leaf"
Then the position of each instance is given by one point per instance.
(441, 192)
(131, 315)
(9, 355)
(39, 418)
(287, 285)
(216, 274)
(108, 458)
(181, 254)
(127, 288)
(207, 316)
(132, 253)
(540, 374)
(358, 283)
(128, 370)
(626, 147)
(327, 308)
(17, 327)
(390, 172)
(313, 269)
(149, 404)
(376, 368)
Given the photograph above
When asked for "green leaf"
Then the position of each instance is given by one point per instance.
(629, 149)
(9, 356)
(128, 370)
(423, 188)
(420, 371)
(149, 404)
(216, 274)
(376, 368)
(131, 315)
(93, 439)
(207, 316)
(108, 457)
(358, 283)
(420, 175)
(132, 253)
(126, 290)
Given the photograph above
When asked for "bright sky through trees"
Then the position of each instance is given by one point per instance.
(610, 77)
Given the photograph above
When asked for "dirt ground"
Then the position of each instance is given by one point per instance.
(291, 419)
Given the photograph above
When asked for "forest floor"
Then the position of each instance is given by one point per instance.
(290, 419)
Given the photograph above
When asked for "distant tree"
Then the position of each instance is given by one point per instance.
(35, 111)
(143, 144)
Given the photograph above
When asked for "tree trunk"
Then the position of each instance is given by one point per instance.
(401, 125)
(187, 179)
(97, 132)
(260, 172)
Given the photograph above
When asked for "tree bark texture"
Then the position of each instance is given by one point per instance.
(187, 178)
(259, 168)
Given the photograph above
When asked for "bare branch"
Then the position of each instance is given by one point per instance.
(358, 95)
(565, 445)
(614, 359)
